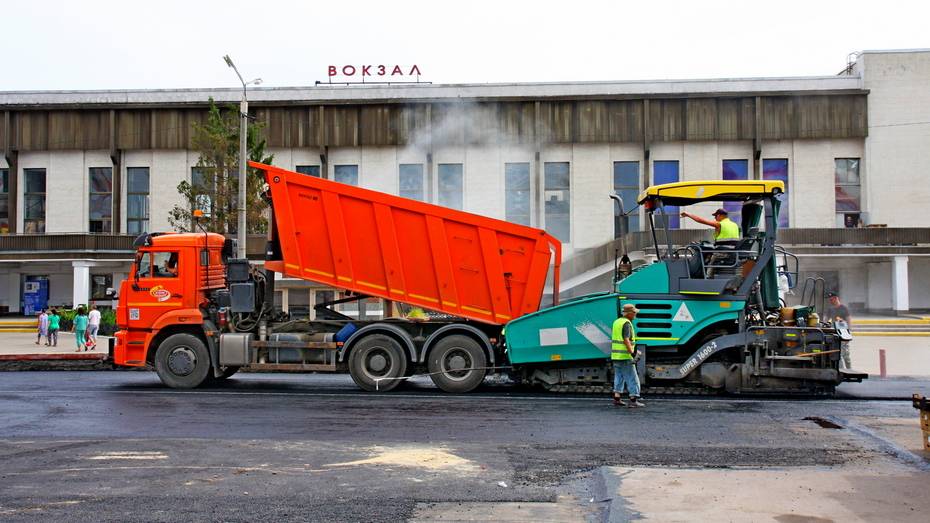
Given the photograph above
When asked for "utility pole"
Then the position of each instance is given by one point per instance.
(242, 204)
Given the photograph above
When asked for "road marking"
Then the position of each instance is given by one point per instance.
(129, 455)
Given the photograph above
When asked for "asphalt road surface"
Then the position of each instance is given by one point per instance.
(118, 446)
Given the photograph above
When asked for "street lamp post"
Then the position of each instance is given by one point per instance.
(243, 157)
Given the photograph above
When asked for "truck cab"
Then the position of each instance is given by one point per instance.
(168, 294)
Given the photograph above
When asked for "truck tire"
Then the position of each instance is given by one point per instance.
(375, 361)
(457, 364)
(182, 361)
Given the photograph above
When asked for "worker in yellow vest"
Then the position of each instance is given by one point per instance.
(622, 356)
(725, 229)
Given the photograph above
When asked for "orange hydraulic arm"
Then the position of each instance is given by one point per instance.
(408, 251)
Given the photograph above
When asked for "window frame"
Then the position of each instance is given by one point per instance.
(40, 223)
(441, 195)
(632, 218)
(547, 215)
(422, 181)
(130, 219)
(106, 221)
(5, 200)
(356, 173)
(303, 168)
(670, 211)
(847, 218)
(508, 190)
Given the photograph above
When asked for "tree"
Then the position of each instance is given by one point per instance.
(214, 188)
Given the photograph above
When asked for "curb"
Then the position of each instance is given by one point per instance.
(52, 357)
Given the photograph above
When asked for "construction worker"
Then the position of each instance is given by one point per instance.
(622, 354)
(725, 229)
(840, 312)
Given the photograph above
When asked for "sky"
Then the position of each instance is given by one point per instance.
(96, 44)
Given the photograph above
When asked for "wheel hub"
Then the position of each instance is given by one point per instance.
(457, 365)
(182, 361)
(377, 363)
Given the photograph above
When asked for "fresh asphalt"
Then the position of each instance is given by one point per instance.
(118, 446)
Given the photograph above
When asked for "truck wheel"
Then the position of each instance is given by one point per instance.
(375, 360)
(182, 361)
(457, 364)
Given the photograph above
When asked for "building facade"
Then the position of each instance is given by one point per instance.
(83, 172)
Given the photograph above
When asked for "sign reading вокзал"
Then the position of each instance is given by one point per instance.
(380, 71)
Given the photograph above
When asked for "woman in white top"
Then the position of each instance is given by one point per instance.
(93, 323)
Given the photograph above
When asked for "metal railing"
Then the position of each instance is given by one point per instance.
(587, 259)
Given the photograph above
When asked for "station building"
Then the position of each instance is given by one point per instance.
(83, 172)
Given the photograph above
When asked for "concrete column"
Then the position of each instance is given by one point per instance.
(15, 290)
(81, 289)
(285, 296)
(900, 301)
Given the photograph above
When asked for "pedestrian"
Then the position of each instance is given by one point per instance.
(93, 323)
(54, 323)
(838, 311)
(43, 327)
(622, 355)
(79, 328)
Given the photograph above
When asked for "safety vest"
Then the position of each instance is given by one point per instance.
(617, 347)
(728, 230)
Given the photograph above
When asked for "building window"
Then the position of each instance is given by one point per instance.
(736, 170)
(101, 199)
(558, 198)
(201, 190)
(666, 171)
(848, 192)
(4, 201)
(777, 169)
(99, 283)
(347, 174)
(626, 186)
(451, 185)
(411, 181)
(34, 196)
(137, 194)
(517, 192)
(309, 170)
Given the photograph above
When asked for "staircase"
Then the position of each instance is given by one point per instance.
(19, 324)
(891, 326)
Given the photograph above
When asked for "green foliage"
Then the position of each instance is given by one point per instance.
(107, 317)
(216, 193)
(67, 314)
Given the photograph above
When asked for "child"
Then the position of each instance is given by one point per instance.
(54, 322)
(43, 327)
(80, 329)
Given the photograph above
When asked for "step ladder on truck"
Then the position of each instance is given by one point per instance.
(194, 314)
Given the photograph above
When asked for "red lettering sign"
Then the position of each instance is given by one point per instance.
(350, 71)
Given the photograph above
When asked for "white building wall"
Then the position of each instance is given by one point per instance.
(484, 177)
(168, 169)
(898, 145)
(592, 209)
(813, 182)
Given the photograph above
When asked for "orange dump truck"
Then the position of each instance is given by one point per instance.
(195, 314)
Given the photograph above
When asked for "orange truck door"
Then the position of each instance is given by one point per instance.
(156, 287)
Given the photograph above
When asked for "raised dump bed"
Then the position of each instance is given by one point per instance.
(408, 251)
